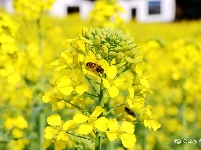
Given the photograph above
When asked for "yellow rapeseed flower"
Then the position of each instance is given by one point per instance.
(125, 132)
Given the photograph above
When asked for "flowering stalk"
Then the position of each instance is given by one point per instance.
(101, 95)
(99, 75)
(101, 103)
(98, 142)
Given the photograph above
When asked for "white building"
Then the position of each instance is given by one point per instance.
(142, 10)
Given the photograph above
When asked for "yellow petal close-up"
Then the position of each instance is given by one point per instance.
(106, 83)
(49, 132)
(112, 135)
(138, 69)
(128, 140)
(63, 136)
(67, 55)
(79, 118)
(131, 91)
(85, 129)
(145, 83)
(68, 124)
(127, 127)
(119, 81)
(66, 90)
(98, 110)
(64, 85)
(101, 124)
(47, 143)
(113, 91)
(81, 88)
(46, 98)
(54, 120)
(151, 124)
(112, 71)
(112, 125)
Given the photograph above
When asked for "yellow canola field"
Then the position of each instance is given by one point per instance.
(171, 54)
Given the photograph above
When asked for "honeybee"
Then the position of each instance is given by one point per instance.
(130, 112)
(95, 67)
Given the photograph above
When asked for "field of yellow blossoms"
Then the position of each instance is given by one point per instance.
(103, 84)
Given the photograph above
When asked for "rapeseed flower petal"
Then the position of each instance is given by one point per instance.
(113, 91)
(127, 127)
(128, 140)
(79, 118)
(85, 129)
(112, 135)
(101, 124)
(54, 120)
(49, 132)
(113, 125)
(98, 110)
(81, 88)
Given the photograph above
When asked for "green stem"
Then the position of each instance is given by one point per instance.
(101, 96)
(98, 142)
(113, 108)
(81, 137)
(42, 84)
(90, 94)
(41, 128)
(101, 103)
(91, 84)
(74, 105)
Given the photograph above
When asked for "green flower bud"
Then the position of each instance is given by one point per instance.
(89, 36)
(98, 56)
(119, 57)
(125, 48)
(108, 45)
(98, 31)
(84, 31)
(130, 41)
(137, 60)
(131, 46)
(86, 40)
(104, 50)
(112, 54)
(135, 52)
(97, 40)
(128, 59)
(117, 49)
(113, 38)
(122, 43)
